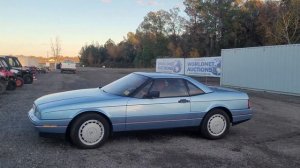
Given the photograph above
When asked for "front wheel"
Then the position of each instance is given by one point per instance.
(89, 131)
(19, 82)
(11, 85)
(215, 124)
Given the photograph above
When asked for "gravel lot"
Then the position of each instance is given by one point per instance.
(270, 139)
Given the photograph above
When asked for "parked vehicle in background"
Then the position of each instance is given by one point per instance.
(32, 69)
(42, 70)
(3, 82)
(8, 75)
(68, 66)
(16, 67)
(140, 101)
(58, 66)
(19, 81)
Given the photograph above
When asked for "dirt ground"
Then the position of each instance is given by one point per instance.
(270, 139)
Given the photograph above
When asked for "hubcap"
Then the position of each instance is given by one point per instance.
(216, 124)
(91, 132)
(18, 82)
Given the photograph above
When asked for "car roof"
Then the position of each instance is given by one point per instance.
(159, 75)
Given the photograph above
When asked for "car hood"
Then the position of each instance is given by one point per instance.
(75, 96)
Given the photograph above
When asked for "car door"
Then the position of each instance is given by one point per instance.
(168, 110)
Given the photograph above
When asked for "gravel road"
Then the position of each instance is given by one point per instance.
(270, 139)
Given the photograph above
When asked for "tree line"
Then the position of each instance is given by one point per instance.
(211, 25)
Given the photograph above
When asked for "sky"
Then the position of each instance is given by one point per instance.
(27, 26)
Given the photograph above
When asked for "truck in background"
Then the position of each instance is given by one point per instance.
(68, 66)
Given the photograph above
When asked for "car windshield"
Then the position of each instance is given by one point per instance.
(126, 85)
(18, 63)
(14, 62)
(3, 63)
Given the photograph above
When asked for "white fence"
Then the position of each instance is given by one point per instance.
(269, 68)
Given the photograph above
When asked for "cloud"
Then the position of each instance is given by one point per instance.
(147, 2)
(106, 1)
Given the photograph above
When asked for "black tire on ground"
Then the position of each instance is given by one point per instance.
(28, 79)
(208, 124)
(92, 122)
(2, 87)
(19, 82)
(11, 85)
(61, 71)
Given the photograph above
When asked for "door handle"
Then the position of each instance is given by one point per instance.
(183, 101)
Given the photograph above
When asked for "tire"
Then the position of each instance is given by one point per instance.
(19, 82)
(97, 127)
(61, 71)
(11, 85)
(215, 125)
(2, 87)
(28, 79)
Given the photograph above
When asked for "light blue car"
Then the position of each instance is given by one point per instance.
(140, 101)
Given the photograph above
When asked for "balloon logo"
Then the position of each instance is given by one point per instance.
(217, 69)
(177, 67)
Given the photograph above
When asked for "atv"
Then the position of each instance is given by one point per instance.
(13, 80)
(16, 67)
(3, 82)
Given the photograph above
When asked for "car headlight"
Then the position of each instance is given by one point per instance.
(36, 111)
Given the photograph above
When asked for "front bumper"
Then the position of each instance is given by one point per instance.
(48, 126)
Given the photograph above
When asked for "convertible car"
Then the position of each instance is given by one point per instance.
(140, 101)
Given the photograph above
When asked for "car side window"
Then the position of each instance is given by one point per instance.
(170, 88)
(144, 91)
(194, 90)
(11, 62)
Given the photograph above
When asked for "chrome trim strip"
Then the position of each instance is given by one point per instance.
(144, 122)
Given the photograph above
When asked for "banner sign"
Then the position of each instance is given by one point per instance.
(170, 65)
(206, 66)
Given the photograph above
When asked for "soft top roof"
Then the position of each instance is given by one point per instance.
(159, 75)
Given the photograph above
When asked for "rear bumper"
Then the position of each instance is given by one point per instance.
(68, 69)
(239, 116)
(48, 126)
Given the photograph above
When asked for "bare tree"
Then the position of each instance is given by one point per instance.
(287, 27)
(284, 26)
(56, 48)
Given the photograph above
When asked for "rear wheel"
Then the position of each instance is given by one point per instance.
(2, 87)
(19, 82)
(11, 85)
(215, 124)
(28, 79)
(89, 131)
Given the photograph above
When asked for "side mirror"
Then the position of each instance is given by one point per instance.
(153, 94)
